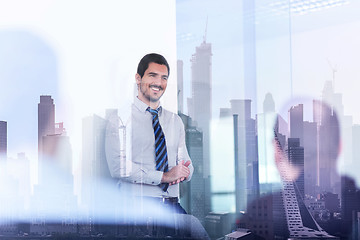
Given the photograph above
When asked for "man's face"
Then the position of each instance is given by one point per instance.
(153, 84)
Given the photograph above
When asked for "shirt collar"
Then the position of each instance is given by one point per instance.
(143, 106)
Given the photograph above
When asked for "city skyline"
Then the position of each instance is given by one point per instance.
(229, 83)
(241, 108)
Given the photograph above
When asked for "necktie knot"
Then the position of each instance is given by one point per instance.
(153, 111)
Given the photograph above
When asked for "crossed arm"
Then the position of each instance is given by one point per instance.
(177, 174)
(184, 169)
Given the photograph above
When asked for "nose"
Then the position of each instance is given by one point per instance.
(158, 80)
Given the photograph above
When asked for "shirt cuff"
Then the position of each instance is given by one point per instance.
(153, 177)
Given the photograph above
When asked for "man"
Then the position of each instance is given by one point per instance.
(159, 159)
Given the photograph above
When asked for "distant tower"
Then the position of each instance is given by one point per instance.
(193, 192)
(296, 122)
(356, 139)
(200, 104)
(296, 159)
(246, 182)
(269, 104)
(3, 140)
(46, 119)
(311, 163)
(180, 86)
(94, 167)
(328, 142)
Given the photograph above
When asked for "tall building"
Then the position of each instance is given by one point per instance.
(95, 174)
(180, 86)
(268, 104)
(356, 139)
(246, 162)
(329, 139)
(311, 164)
(296, 118)
(350, 205)
(266, 123)
(94, 167)
(3, 140)
(56, 153)
(193, 192)
(200, 104)
(296, 159)
(54, 194)
(46, 119)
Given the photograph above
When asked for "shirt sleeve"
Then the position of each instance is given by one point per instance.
(125, 169)
(182, 150)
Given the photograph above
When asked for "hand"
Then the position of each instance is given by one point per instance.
(177, 174)
(183, 178)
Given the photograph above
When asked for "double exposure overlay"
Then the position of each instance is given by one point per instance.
(263, 93)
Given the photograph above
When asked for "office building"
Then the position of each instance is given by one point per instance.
(200, 105)
(296, 118)
(311, 163)
(180, 86)
(3, 140)
(246, 162)
(46, 119)
(296, 159)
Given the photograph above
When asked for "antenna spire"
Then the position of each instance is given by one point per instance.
(334, 70)
(204, 38)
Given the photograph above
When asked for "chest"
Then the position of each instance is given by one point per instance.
(143, 138)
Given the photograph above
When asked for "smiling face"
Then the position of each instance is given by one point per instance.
(153, 84)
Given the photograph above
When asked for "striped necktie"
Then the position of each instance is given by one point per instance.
(160, 146)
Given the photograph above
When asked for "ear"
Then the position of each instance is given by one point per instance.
(138, 79)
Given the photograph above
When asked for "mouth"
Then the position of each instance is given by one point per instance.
(156, 88)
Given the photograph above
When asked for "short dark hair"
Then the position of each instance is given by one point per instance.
(149, 58)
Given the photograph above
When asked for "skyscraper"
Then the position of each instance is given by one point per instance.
(296, 159)
(180, 86)
(46, 119)
(3, 140)
(266, 122)
(246, 153)
(200, 107)
(350, 204)
(94, 167)
(193, 192)
(311, 164)
(56, 153)
(296, 118)
(356, 139)
(268, 104)
(329, 139)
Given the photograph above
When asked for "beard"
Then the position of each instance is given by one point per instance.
(145, 90)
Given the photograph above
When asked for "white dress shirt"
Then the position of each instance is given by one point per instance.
(142, 178)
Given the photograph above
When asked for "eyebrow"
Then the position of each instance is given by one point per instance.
(154, 73)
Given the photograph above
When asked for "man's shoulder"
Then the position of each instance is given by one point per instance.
(169, 115)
